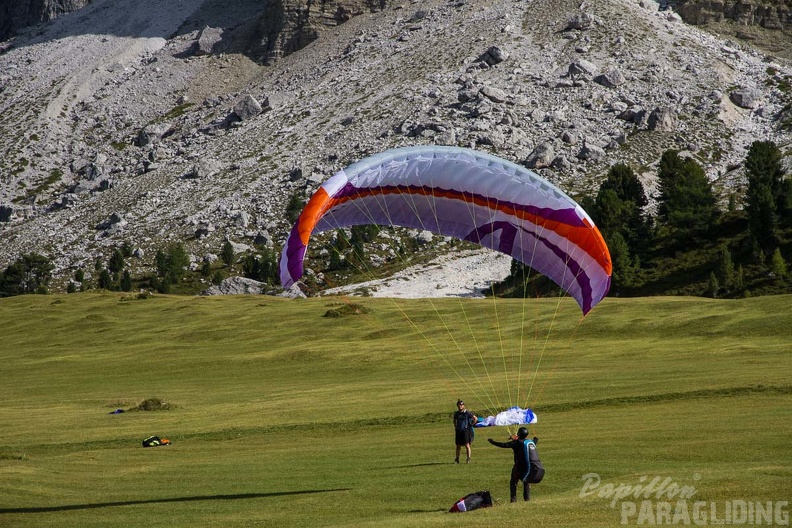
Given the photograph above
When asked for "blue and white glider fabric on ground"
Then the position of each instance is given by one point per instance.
(511, 416)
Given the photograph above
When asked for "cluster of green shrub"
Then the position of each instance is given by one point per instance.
(30, 273)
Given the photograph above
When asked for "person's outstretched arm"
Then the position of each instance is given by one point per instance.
(499, 444)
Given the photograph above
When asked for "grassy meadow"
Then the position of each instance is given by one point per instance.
(282, 417)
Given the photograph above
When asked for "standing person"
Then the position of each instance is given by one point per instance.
(463, 429)
(527, 466)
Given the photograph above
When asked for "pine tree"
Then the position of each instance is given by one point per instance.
(619, 206)
(172, 264)
(116, 263)
(105, 280)
(739, 278)
(206, 269)
(712, 285)
(778, 265)
(767, 194)
(623, 269)
(126, 249)
(261, 266)
(294, 208)
(126, 282)
(227, 253)
(618, 211)
(30, 273)
(725, 269)
(161, 263)
(686, 203)
(762, 220)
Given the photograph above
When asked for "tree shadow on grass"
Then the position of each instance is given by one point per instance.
(239, 496)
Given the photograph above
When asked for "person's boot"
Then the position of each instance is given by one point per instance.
(456, 460)
(513, 492)
(527, 492)
(467, 461)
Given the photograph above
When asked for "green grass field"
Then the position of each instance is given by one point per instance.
(282, 417)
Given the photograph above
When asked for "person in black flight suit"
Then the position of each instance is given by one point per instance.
(527, 466)
(464, 421)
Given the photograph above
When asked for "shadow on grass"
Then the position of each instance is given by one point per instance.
(419, 465)
(239, 496)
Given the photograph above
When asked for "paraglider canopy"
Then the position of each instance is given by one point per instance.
(467, 195)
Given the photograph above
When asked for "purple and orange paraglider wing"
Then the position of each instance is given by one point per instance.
(468, 195)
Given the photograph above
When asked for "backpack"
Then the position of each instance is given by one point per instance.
(473, 501)
(463, 423)
(536, 470)
(153, 441)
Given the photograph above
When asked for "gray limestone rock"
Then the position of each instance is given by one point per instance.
(207, 40)
(247, 107)
(236, 286)
(746, 98)
(610, 79)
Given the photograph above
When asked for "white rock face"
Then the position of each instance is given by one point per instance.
(468, 274)
(236, 286)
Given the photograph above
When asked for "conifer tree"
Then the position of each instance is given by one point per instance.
(686, 203)
(227, 253)
(105, 280)
(712, 285)
(778, 264)
(126, 282)
(172, 264)
(618, 211)
(30, 273)
(116, 263)
(725, 269)
(767, 196)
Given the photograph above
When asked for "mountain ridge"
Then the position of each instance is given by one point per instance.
(137, 140)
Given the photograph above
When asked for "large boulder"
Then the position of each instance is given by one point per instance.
(610, 79)
(494, 55)
(583, 22)
(207, 40)
(247, 107)
(663, 120)
(496, 95)
(591, 152)
(582, 67)
(746, 98)
(541, 157)
(151, 134)
(114, 223)
(204, 168)
(236, 286)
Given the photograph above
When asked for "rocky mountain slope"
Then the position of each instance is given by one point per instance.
(766, 24)
(186, 120)
(16, 14)
(769, 14)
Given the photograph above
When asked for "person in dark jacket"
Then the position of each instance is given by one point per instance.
(464, 421)
(527, 466)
